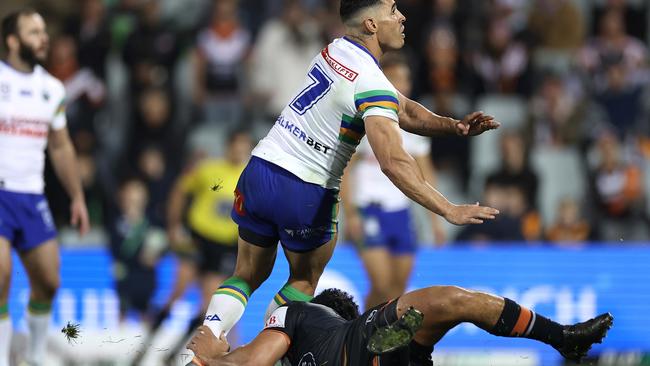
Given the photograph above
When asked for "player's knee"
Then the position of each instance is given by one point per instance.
(47, 288)
(5, 275)
(5, 280)
(449, 302)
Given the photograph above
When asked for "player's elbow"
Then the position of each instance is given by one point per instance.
(389, 168)
(395, 166)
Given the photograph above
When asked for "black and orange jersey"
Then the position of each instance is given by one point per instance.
(319, 336)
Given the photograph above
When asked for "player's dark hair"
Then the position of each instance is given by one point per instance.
(349, 8)
(10, 24)
(339, 301)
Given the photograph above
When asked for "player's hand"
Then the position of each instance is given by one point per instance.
(206, 346)
(354, 228)
(79, 215)
(470, 214)
(475, 124)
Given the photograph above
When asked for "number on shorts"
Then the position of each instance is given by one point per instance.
(320, 85)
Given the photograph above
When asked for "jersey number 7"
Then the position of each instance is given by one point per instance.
(319, 86)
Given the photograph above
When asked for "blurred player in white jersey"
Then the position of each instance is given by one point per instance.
(289, 191)
(32, 117)
(377, 215)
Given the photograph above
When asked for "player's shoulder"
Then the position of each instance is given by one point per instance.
(349, 59)
(355, 63)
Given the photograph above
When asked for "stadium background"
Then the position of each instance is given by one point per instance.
(575, 93)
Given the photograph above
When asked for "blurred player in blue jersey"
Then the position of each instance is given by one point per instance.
(32, 117)
(289, 191)
(378, 218)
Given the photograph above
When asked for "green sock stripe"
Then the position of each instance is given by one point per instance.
(238, 283)
(289, 293)
(4, 311)
(232, 294)
(37, 307)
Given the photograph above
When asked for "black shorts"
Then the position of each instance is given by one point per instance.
(135, 289)
(214, 256)
(364, 327)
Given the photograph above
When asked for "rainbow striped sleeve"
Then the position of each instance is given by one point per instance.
(352, 130)
(60, 109)
(59, 120)
(385, 99)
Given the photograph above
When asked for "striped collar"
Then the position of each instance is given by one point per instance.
(362, 48)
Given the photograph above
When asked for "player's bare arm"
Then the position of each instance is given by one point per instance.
(267, 348)
(415, 118)
(426, 165)
(64, 160)
(403, 171)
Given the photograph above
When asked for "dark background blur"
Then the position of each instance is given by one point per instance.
(155, 85)
(152, 84)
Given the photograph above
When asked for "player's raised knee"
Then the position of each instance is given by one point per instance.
(448, 301)
(47, 288)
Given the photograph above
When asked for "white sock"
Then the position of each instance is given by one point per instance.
(223, 312)
(38, 326)
(227, 305)
(273, 306)
(5, 340)
(286, 294)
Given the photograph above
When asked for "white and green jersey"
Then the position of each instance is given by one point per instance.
(31, 104)
(319, 130)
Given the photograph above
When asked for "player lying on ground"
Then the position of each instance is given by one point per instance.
(329, 331)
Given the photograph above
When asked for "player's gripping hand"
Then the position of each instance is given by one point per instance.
(79, 215)
(475, 124)
(206, 346)
(470, 214)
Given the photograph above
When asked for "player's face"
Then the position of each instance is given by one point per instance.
(391, 26)
(33, 41)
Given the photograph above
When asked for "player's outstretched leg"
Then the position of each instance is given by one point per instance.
(42, 264)
(305, 269)
(5, 321)
(227, 305)
(286, 294)
(444, 307)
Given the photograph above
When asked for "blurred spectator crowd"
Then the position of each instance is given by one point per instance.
(155, 85)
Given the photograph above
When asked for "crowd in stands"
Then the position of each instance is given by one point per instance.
(154, 85)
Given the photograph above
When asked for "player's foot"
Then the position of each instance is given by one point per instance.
(579, 338)
(396, 335)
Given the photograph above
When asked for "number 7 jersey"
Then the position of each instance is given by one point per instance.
(319, 130)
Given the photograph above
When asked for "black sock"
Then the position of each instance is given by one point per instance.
(517, 321)
(420, 355)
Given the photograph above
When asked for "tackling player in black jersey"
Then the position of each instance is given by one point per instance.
(329, 330)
